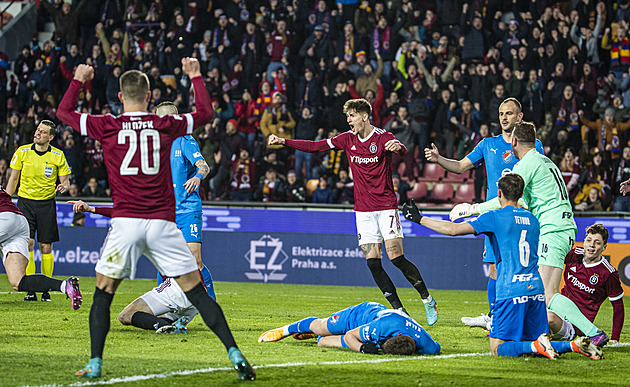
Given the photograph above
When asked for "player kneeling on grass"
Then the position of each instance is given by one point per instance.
(365, 328)
(519, 316)
(14, 234)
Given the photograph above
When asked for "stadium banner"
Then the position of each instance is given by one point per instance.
(312, 247)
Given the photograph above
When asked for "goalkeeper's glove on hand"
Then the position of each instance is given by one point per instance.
(410, 211)
(463, 210)
(369, 349)
(522, 204)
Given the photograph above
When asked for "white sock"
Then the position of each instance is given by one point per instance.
(285, 330)
(533, 347)
(427, 300)
(62, 288)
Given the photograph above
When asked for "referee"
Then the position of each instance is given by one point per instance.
(37, 166)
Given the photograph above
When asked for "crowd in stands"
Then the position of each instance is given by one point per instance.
(434, 72)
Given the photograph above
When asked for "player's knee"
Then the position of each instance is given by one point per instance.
(46, 248)
(125, 317)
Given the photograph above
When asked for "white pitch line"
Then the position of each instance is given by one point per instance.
(136, 378)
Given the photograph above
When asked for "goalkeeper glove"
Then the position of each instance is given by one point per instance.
(522, 204)
(463, 210)
(410, 211)
(369, 349)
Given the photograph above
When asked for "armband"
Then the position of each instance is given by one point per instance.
(199, 175)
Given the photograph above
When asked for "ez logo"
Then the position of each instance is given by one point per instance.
(265, 257)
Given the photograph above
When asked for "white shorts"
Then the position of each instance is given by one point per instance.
(14, 234)
(169, 299)
(158, 239)
(378, 226)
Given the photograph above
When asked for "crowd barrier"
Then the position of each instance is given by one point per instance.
(313, 247)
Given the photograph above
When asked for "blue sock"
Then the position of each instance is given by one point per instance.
(159, 279)
(562, 346)
(492, 293)
(302, 326)
(514, 348)
(207, 279)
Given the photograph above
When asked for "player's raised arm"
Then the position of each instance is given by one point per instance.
(411, 212)
(204, 112)
(432, 155)
(396, 147)
(65, 111)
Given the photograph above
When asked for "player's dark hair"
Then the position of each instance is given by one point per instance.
(166, 108)
(399, 345)
(51, 125)
(525, 132)
(598, 228)
(515, 102)
(134, 84)
(360, 105)
(511, 186)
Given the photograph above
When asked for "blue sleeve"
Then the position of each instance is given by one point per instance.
(476, 156)
(191, 150)
(540, 148)
(484, 224)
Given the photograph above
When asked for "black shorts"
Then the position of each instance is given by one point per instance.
(42, 217)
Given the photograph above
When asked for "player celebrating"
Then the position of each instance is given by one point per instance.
(369, 151)
(546, 196)
(519, 318)
(14, 236)
(588, 280)
(137, 147)
(499, 160)
(363, 328)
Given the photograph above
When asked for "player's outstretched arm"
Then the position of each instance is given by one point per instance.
(81, 206)
(432, 155)
(65, 111)
(411, 212)
(275, 140)
(204, 112)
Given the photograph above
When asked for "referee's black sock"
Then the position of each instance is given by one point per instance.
(39, 283)
(148, 321)
(211, 314)
(412, 274)
(99, 321)
(384, 282)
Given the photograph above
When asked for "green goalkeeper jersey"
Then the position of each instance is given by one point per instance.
(545, 193)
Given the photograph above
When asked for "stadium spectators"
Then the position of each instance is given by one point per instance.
(566, 62)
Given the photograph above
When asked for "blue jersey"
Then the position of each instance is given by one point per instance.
(184, 154)
(353, 316)
(499, 158)
(513, 234)
(390, 323)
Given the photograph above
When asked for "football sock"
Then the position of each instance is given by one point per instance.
(211, 314)
(207, 279)
(492, 293)
(562, 346)
(302, 326)
(99, 321)
(515, 348)
(566, 309)
(38, 283)
(412, 274)
(148, 321)
(384, 282)
(30, 267)
(47, 264)
(566, 332)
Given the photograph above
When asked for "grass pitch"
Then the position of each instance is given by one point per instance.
(45, 343)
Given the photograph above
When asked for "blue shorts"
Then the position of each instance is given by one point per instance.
(353, 317)
(488, 253)
(519, 319)
(190, 225)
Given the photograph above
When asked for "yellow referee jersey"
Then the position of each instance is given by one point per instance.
(38, 178)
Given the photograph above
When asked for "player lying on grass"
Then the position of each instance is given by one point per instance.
(14, 235)
(163, 309)
(365, 328)
(519, 316)
(546, 196)
(588, 280)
